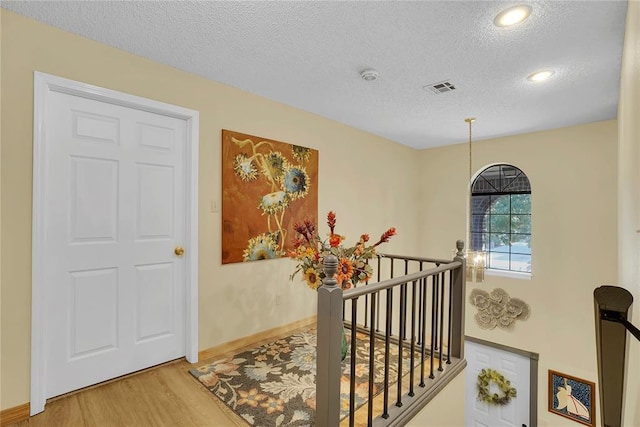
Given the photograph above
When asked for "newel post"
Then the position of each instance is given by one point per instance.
(328, 363)
(612, 305)
(458, 296)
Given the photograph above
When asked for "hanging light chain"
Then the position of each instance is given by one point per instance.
(475, 261)
(470, 120)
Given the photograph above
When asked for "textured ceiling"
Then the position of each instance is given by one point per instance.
(310, 54)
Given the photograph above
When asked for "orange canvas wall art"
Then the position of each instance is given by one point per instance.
(267, 186)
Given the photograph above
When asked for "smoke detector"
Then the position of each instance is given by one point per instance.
(369, 75)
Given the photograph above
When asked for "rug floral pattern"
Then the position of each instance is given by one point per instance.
(274, 384)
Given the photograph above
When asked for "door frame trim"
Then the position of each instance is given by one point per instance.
(44, 84)
(533, 373)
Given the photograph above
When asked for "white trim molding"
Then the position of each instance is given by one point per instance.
(508, 273)
(44, 85)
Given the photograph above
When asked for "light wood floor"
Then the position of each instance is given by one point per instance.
(163, 396)
(166, 395)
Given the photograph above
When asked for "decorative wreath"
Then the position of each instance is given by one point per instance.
(486, 377)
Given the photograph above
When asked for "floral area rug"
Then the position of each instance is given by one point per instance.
(275, 384)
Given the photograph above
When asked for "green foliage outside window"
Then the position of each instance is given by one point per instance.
(509, 217)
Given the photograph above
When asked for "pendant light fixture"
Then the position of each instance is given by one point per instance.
(476, 259)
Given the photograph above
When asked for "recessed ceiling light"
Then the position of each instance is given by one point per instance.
(512, 16)
(369, 75)
(540, 76)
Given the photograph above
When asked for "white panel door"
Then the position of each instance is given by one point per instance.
(515, 368)
(115, 186)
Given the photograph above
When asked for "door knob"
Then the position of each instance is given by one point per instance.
(179, 250)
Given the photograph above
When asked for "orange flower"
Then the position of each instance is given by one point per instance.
(311, 402)
(251, 398)
(345, 271)
(362, 370)
(335, 240)
(210, 379)
(225, 366)
(273, 405)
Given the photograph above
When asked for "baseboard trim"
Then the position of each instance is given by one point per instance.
(14, 415)
(253, 340)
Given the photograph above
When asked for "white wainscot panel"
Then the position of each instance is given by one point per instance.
(155, 202)
(94, 309)
(482, 358)
(481, 407)
(508, 412)
(154, 306)
(94, 200)
(156, 137)
(96, 128)
(508, 367)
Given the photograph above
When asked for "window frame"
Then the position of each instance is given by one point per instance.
(490, 184)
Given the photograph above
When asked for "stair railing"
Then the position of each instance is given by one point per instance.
(429, 319)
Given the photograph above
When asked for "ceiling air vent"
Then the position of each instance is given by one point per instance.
(440, 87)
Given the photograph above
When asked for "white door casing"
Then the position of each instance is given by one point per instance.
(515, 368)
(114, 191)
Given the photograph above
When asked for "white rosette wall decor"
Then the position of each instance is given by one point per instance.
(497, 309)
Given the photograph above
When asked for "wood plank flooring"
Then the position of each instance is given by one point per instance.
(163, 396)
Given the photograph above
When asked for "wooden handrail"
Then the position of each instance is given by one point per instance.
(391, 283)
(612, 305)
(412, 258)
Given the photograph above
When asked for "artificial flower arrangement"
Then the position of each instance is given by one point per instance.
(309, 252)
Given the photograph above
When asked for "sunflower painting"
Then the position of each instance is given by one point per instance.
(265, 185)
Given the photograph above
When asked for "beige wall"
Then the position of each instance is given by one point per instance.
(629, 197)
(362, 177)
(574, 244)
(445, 409)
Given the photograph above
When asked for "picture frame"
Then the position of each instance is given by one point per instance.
(267, 187)
(572, 398)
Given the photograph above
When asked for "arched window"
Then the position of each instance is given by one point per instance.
(501, 218)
